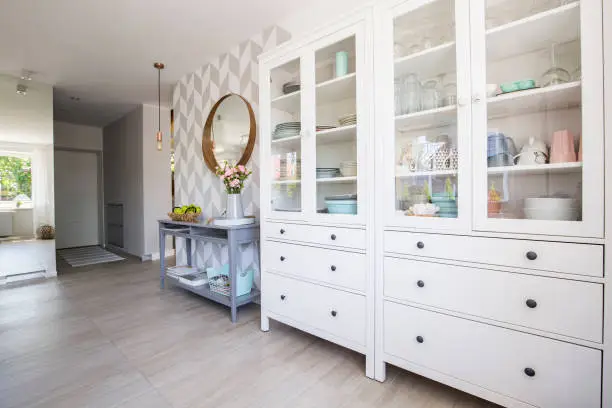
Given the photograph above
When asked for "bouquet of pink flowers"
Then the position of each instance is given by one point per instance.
(233, 177)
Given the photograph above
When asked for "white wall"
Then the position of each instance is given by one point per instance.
(26, 119)
(318, 13)
(71, 136)
(26, 127)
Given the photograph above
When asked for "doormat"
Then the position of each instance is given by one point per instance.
(90, 255)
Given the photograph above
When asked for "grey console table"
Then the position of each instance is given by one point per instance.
(233, 237)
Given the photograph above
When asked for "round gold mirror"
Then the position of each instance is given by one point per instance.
(229, 132)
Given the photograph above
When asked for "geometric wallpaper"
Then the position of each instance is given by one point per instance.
(194, 95)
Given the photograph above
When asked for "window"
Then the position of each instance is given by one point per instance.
(15, 181)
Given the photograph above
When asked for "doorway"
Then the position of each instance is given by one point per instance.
(77, 198)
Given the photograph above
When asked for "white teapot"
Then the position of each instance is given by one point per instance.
(534, 152)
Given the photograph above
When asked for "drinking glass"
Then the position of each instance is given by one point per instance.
(431, 96)
(411, 101)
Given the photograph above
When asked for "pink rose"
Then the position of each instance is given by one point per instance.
(241, 168)
(234, 183)
(228, 173)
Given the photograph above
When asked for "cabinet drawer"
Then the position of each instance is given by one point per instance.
(339, 313)
(543, 372)
(561, 306)
(347, 269)
(580, 259)
(315, 234)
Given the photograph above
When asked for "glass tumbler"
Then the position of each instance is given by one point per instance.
(411, 101)
(431, 96)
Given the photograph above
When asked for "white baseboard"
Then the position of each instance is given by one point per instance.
(155, 255)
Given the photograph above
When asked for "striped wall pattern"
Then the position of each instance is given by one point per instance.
(194, 95)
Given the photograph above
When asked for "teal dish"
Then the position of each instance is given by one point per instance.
(522, 85)
(509, 87)
(341, 206)
(526, 84)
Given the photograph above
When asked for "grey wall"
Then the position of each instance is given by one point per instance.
(71, 136)
(156, 178)
(138, 176)
(123, 184)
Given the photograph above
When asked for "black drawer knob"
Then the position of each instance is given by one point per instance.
(333, 237)
(282, 258)
(532, 256)
(420, 284)
(283, 297)
(530, 372)
(282, 231)
(333, 268)
(334, 313)
(420, 245)
(419, 339)
(531, 303)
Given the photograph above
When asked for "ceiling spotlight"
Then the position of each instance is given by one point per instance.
(26, 75)
(22, 89)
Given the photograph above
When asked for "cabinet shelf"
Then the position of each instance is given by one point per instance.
(403, 172)
(293, 142)
(297, 181)
(335, 180)
(336, 89)
(533, 33)
(432, 118)
(563, 96)
(337, 135)
(557, 168)
(288, 103)
(429, 61)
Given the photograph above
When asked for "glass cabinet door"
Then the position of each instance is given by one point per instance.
(285, 126)
(427, 136)
(537, 106)
(339, 135)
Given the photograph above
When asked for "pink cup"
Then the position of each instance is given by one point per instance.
(562, 149)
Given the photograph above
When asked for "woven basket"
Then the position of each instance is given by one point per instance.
(187, 217)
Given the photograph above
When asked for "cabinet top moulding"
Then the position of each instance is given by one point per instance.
(536, 32)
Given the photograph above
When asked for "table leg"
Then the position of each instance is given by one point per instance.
(162, 258)
(233, 269)
(188, 250)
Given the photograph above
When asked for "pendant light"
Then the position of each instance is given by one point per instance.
(159, 66)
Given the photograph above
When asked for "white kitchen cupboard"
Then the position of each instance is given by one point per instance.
(316, 158)
(498, 293)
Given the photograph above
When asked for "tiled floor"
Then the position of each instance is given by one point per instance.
(106, 336)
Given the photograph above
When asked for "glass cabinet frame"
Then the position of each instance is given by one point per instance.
(385, 64)
(358, 27)
(591, 62)
(472, 122)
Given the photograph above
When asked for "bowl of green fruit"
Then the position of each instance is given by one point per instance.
(186, 213)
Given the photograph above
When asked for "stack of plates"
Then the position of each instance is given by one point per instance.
(290, 169)
(290, 87)
(348, 168)
(321, 128)
(348, 120)
(287, 129)
(327, 172)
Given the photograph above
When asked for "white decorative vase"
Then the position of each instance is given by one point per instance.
(234, 207)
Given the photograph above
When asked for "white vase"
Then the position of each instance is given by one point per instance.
(234, 207)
